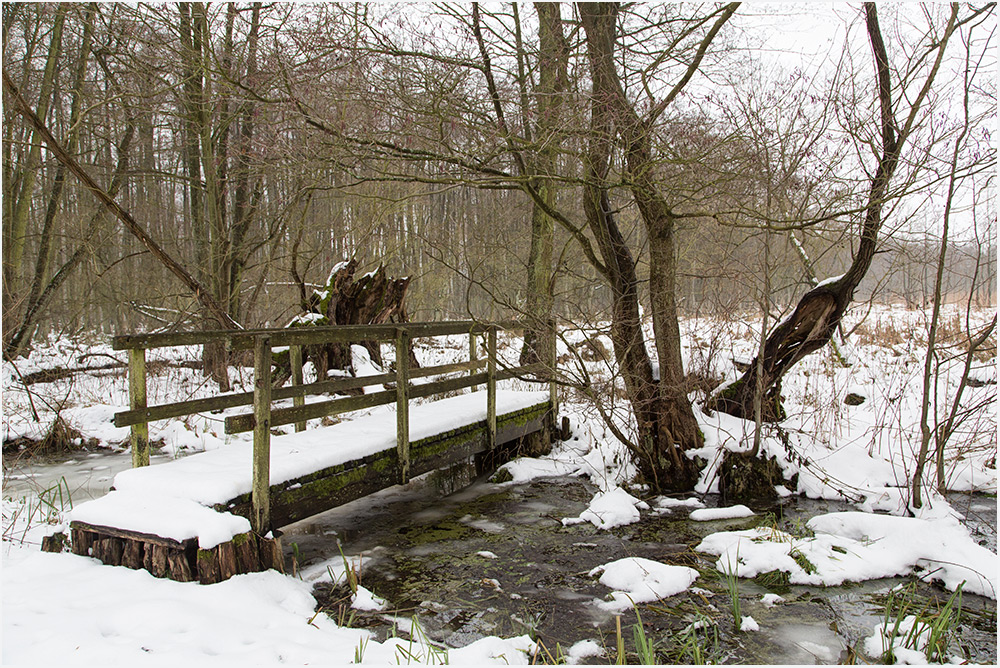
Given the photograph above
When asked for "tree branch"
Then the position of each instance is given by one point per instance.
(60, 153)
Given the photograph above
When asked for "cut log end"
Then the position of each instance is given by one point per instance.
(183, 562)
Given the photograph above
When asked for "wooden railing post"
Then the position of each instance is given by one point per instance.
(553, 388)
(472, 356)
(491, 388)
(137, 401)
(260, 514)
(295, 359)
(402, 401)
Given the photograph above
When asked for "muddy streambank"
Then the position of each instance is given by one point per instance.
(496, 560)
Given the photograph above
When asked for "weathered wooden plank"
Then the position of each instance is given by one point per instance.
(179, 567)
(147, 558)
(332, 386)
(131, 535)
(247, 560)
(148, 341)
(164, 411)
(243, 338)
(160, 567)
(326, 489)
(82, 540)
(227, 560)
(448, 385)
(295, 359)
(260, 519)
(137, 402)
(133, 554)
(208, 566)
(270, 554)
(240, 423)
(55, 542)
(403, 403)
(444, 369)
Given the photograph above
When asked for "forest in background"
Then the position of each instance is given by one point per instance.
(609, 165)
(259, 143)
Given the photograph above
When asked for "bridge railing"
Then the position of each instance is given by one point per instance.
(263, 418)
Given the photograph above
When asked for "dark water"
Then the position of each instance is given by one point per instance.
(497, 560)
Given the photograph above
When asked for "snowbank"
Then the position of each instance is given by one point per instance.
(855, 546)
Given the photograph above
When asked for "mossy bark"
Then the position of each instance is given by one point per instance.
(746, 478)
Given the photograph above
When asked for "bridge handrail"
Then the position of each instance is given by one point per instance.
(260, 421)
(182, 408)
(288, 336)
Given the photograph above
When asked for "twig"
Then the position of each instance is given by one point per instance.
(31, 402)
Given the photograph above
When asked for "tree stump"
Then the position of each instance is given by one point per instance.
(373, 299)
(746, 478)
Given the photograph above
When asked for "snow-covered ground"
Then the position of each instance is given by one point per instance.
(60, 608)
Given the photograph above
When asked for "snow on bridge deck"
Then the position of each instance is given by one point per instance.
(174, 500)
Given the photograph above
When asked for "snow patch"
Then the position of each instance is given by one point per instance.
(855, 546)
(363, 599)
(638, 580)
(709, 514)
(581, 650)
(610, 509)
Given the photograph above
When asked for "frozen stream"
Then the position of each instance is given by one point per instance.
(86, 475)
(496, 560)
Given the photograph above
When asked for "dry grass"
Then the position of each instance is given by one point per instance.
(885, 333)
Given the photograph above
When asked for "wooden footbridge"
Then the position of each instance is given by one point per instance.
(214, 514)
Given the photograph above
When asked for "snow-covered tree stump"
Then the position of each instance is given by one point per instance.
(372, 299)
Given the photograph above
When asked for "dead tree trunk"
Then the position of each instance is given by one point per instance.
(373, 299)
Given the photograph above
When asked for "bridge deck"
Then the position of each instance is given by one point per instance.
(205, 498)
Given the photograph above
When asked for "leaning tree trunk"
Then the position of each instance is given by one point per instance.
(820, 310)
(808, 329)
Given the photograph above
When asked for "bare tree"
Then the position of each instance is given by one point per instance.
(941, 433)
(818, 313)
